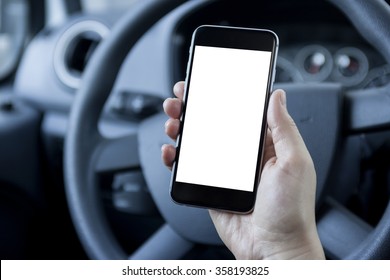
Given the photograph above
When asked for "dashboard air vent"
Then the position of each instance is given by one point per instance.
(74, 49)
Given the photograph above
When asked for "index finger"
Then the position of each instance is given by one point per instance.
(178, 90)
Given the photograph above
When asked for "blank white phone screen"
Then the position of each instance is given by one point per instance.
(225, 103)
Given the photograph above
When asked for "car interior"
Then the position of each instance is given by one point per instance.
(82, 84)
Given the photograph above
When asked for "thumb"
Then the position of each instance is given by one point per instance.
(285, 135)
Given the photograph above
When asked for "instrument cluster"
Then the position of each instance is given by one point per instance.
(351, 66)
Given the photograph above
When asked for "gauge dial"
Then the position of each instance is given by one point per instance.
(315, 63)
(351, 66)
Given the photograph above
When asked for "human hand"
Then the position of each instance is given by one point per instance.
(282, 224)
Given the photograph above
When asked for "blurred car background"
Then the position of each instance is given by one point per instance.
(45, 47)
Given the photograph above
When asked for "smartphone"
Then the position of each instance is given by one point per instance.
(223, 124)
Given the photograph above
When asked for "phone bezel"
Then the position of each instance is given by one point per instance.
(211, 196)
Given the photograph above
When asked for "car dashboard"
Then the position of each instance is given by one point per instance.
(317, 45)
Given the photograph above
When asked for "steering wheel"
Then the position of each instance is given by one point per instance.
(316, 108)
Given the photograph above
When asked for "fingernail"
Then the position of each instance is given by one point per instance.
(164, 103)
(283, 98)
(176, 87)
(167, 122)
(163, 147)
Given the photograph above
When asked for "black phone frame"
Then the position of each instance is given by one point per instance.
(211, 196)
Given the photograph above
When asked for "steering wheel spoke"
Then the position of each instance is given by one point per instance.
(117, 153)
(340, 230)
(313, 108)
(367, 110)
(164, 244)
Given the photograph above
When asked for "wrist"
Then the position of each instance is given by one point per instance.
(291, 251)
(306, 246)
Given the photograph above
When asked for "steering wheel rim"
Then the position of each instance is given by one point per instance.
(84, 142)
(375, 245)
(83, 137)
